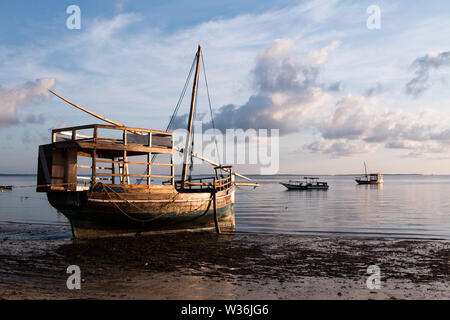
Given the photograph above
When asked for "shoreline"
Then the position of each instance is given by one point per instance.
(228, 266)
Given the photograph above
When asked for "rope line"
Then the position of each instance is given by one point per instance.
(210, 107)
(42, 185)
(177, 107)
(140, 209)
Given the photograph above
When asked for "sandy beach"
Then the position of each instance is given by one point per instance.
(34, 259)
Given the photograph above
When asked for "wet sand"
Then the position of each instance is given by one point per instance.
(34, 259)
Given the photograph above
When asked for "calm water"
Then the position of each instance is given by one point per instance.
(404, 206)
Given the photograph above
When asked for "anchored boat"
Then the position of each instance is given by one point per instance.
(369, 178)
(108, 200)
(308, 183)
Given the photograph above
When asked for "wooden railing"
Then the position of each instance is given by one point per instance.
(139, 136)
(138, 141)
(207, 183)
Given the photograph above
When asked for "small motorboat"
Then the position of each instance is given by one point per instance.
(308, 183)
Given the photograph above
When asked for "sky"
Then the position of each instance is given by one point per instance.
(339, 91)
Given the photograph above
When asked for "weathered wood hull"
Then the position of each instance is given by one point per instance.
(368, 181)
(109, 214)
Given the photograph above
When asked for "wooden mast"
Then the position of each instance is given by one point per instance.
(186, 154)
(186, 151)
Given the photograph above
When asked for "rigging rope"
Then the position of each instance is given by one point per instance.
(177, 107)
(191, 165)
(210, 107)
(104, 186)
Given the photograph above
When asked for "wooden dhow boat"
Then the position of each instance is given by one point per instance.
(108, 201)
(369, 178)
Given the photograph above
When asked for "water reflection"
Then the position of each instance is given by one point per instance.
(370, 186)
(416, 206)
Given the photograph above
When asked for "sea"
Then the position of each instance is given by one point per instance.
(404, 206)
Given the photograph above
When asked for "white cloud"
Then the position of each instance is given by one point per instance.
(288, 94)
(319, 57)
(359, 124)
(30, 93)
(423, 66)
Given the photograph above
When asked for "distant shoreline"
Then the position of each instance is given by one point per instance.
(17, 174)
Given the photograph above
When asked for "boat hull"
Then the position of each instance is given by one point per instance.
(293, 186)
(100, 214)
(316, 188)
(368, 182)
(303, 187)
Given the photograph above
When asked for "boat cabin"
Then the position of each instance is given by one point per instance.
(80, 157)
(372, 177)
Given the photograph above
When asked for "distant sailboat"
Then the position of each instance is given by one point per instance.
(369, 178)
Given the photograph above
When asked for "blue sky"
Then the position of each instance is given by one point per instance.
(340, 93)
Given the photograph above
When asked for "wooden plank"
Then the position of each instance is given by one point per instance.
(133, 129)
(113, 170)
(94, 165)
(84, 154)
(44, 165)
(172, 168)
(165, 188)
(71, 169)
(90, 167)
(111, 147)
(133, 175)
(246, 184)
(105, 126)
(58, 163)
(135, 148)
(87, 126)
(149, 168)
(138, 138)
(124, 168)
(136, 162)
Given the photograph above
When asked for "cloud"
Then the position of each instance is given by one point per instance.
(13, 98)
(340, 148)
(288, 92)
(104, 30)
(359, 125)
(319, 57)
(119, 5)
(376, 90)
(143, 64)
(26, 138)
(423, 67)
(290, 96)
(429, 149)
(34, 119)
(335, 87)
